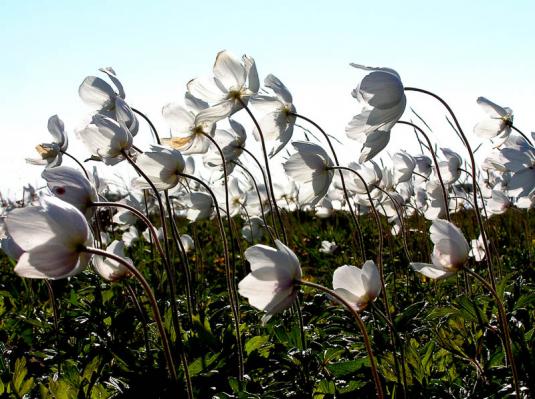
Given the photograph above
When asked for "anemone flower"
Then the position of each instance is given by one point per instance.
(52, 237)
(357, 286)
(271, 284)
(106, 139)
(404, 165)
(451, 168)
(188, 128)
(110, 269)
(71, 186)
(108, 101)
(51, 153)
(328, 247)
(478, 249)
(450, 252)
(519, 157)
(310, 169)
(497, 123)
(278, 121)
(231, 141)
(383, 100)
(253, 229)
(233, 83)
(187, 242)
(162, 165)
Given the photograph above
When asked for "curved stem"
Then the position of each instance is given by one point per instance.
(474, 178)
(154, 131)
(520, 133)
(362, 328)
(146, 221)
(228, 273)
(259, 197)
(55, 312)
(505, 327)
(346, 195)
(156, 312)
(435, 161)
(78, 162)
(266, 161)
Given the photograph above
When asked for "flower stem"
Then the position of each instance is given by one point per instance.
(474, 178)
(346, 195)
(78, 162)
(362, 327)
(157, 316)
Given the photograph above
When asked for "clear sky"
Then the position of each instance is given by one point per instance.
(459, 49)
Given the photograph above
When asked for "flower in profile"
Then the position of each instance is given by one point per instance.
(187, 242)
(518, 156)
(278, 120)
(108, 268)
(106, 139)
(271, 284)
(310, 168)
(497, 123)
(253, 229)
(108, 101)
(188, 128)
(52, 237)
(383, 100)
(71, 186)
(233, 83)
(498, 203)
(51, 153)
(404, 165)
(478, 249)
(162, 165)
(328, 247)
(450, 252)
(357, 286)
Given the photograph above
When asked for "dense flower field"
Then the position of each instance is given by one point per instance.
(212, 275)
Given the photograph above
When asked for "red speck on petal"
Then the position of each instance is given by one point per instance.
(60, 190)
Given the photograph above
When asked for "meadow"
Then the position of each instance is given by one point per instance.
(207, 275)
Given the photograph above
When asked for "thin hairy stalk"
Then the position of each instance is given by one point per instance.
(435, 161)
(362, 328)
(483, 231)
(156, 313)
(264, 178)
(401, 221)
(140, 215)
(346, 194)
(169, 269)
(510, 123)
(154, 131)
(133, 297)
(183, 257)
(55, 313)
(268, 172)
(505, 327)
(78, 163)
(259, 197)
(234, 305)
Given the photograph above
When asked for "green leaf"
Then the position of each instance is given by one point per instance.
(348, 367)
(259, 343)
(202, 363)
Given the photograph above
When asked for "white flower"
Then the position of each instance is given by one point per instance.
(188, 128)
(51, 153)
(383, 100)
(253, 229)
(187, 242)
(52, 237)
(497, 123)
(478, 249)
(106, 139)
(234, 82)
(519, 157)
(278, 122)
(71, 186)
(108, 268)
(271, 284)
(130, 236)
(357, 286)
(310, 169)
(162, 165)
(450, 252)
(450, 170)
(324, 208)
(498, 203)
(404, 165)
(328, 247)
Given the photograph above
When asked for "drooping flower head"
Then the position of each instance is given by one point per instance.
(357, 286)
(450, 252)
(51, 153)
(52, 237)
(270, 286)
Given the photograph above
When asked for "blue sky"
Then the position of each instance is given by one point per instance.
(460, 50)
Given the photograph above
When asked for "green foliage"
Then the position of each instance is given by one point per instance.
(447, 341)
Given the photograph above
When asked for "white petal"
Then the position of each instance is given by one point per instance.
(229, 70)
(431, 271)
